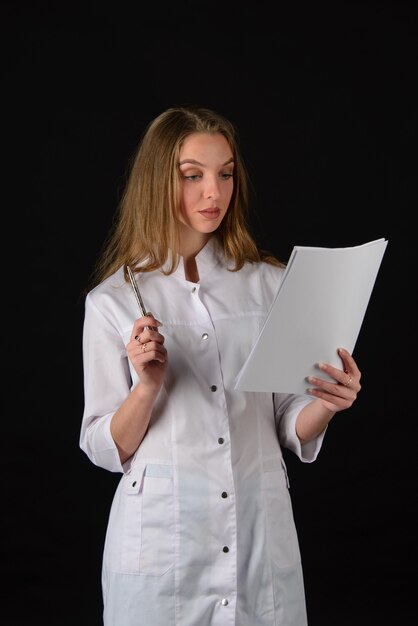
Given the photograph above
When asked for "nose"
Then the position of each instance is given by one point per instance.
(212, 190)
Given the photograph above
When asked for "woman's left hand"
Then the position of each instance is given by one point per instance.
(338, 395)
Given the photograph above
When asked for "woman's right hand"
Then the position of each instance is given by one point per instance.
(146, 351)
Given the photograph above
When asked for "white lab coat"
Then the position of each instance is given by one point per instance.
(201, 530)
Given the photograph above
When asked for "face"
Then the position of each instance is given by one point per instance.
(206, 170)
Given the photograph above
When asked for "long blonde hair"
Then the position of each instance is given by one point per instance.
(146, 229)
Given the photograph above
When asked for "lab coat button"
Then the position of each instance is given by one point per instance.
(225, 549)
(205, 336)
(221, 440)
(134, 483)
(224, 494)
(224, 602)
(194, 289)
(213, 388)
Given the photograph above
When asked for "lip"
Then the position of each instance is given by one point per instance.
(211, 214)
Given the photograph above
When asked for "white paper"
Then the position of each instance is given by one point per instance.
(319, 307)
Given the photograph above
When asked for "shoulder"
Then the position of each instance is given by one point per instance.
(111, 305)
(110, 290)
(269, 270)
(265, 271)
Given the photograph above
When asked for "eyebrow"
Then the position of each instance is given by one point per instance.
(194, 162)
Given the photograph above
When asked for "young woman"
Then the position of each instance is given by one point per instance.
(201, 531)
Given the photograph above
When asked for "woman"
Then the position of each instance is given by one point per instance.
(201, 531)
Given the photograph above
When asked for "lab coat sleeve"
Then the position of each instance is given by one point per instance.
(107, 383)
(287, 407)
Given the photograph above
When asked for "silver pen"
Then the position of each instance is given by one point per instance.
(138, 296)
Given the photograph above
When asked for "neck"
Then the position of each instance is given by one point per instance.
(191, 244)
(191, 272)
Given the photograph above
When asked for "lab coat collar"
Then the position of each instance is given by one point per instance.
(207, 259)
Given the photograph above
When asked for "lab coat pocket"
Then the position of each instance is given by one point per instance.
(146, 536)
(126, 531)
(281, 534)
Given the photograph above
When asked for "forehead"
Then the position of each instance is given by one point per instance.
(203, 147)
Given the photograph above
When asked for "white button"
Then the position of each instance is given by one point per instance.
(224, 602)
(205, 336)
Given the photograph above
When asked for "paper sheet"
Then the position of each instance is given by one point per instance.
(320, 306)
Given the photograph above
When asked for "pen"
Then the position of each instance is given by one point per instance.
(138, 296)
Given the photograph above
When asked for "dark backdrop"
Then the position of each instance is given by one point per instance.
(324, 97)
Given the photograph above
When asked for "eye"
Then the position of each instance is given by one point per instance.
(192, 177)
(226, 176)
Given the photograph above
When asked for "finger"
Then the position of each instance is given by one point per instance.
(152, 351)
(151, 335)
(346, 377)
(146, 323)
(149, 346)
(339, 402)
(142, 337)
(337, 374)
(153, 323)
(340, 395)
(350, 366)
(333, 389)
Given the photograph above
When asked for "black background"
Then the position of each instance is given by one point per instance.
(323, 95)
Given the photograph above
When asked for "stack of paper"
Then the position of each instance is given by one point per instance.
(319, 307)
